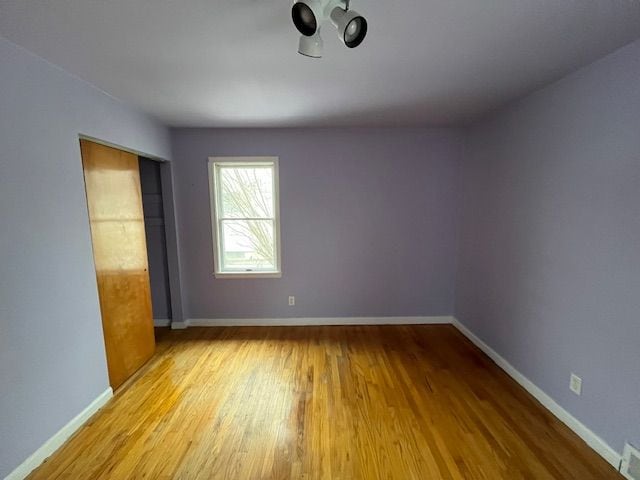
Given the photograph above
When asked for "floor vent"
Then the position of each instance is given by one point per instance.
(630, 466)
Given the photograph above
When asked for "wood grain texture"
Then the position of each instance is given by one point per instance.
(392, 402)
(114, 200)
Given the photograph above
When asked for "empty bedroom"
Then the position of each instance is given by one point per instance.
(320, 239)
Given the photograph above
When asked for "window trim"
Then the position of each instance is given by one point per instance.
(215, 224)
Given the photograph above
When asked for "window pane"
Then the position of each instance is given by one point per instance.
(248, 245)
(246, 192)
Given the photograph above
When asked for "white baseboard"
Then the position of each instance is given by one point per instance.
(179, 325)
(161, 322)
(593, 440)
(303, 321)
(55, 442)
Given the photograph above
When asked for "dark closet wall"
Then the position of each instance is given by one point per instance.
(156, 239)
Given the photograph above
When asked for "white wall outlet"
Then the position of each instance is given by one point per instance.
(292, 300)
(630, 465)
(575, 384)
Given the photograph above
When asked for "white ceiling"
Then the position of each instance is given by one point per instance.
(235, 62)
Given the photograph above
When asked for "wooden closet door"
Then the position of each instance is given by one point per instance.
(112, 182)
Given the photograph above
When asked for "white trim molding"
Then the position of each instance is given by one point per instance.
(179, 325)
(58, 439)
(161, 322)
(301, 321)
(217, 217)
(593, 440)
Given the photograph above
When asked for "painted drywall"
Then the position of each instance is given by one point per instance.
(154, 226)
(367, 222)
(549, 260)
(52, 361)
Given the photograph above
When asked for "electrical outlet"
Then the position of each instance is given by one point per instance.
(575, 384)
(630, 465)
(292, 300)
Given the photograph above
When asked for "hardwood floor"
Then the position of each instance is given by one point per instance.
(397, 402)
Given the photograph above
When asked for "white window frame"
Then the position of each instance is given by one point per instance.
(215, 223)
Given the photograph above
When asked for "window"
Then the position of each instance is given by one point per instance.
(245, 216)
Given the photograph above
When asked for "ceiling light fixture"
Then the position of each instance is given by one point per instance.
(308, 16)
(311, 46)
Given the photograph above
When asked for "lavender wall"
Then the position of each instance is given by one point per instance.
(550, 241)
(367, 219)
(52, 361)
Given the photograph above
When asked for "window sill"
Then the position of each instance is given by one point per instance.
(248, 275)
